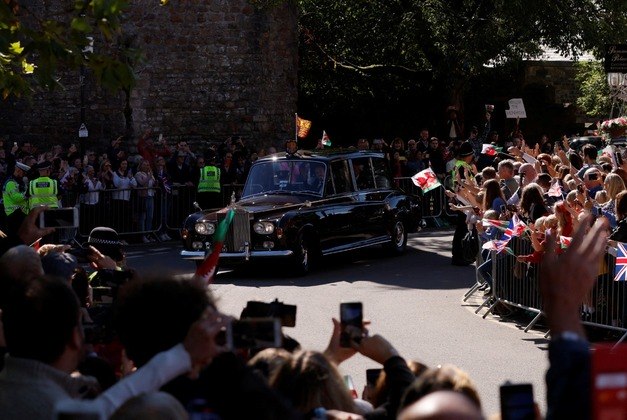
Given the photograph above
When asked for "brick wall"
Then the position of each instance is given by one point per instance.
(210, 70)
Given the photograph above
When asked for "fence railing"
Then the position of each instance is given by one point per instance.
(517, 284)
(137, 211)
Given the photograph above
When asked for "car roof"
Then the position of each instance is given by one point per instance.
(323, 155)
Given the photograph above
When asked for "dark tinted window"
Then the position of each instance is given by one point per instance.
(364, 176)
(381, 175)
(341, 177)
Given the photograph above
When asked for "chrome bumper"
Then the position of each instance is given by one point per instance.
(200, 255)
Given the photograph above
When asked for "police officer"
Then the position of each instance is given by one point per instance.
(209, 186)
(14, 197)
(43, 191)
(463, 170)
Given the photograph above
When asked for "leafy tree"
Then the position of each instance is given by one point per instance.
(34, 46)
(594, 93)
(354, 48)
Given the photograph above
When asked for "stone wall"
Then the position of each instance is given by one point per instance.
(209, 70)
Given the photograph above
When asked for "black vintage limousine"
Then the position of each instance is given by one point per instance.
(296, 208)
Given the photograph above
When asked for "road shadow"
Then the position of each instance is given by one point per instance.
(426, 264)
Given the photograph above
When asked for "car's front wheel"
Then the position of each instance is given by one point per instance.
(398, 237)
(305, 255)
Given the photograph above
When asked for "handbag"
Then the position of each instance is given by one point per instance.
(470, 245)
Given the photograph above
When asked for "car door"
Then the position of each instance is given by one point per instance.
(336, 229)
(369, 208)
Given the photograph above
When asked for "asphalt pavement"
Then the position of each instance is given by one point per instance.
(414, 301)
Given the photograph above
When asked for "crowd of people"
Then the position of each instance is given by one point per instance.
(132, 192)
(115, 344)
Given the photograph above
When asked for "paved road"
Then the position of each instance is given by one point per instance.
(415, 301)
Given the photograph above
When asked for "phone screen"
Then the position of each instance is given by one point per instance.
(64, 218)
(517, 402)
(351, 318)
(254, 333)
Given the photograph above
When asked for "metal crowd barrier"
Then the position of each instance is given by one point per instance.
(433, 202)
(135, 212)
(517, 284)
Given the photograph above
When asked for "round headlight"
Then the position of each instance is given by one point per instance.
(263, 228)
(204, 228)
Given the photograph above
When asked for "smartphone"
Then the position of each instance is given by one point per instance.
(64, 218)
(593, 177)
(160, 138)
(619, 159)
(254, 333)
(352, 320)
(372, 376)
(517, 402)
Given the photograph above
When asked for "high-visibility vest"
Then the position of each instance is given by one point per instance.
(209, 179)
(466, 166)
(13, 198)
(43, 192)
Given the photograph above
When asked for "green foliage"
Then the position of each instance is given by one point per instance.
(354, 49)
(34, 47)
(594, 93)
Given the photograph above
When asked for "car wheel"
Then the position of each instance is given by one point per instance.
(306, 256)
(398, 238)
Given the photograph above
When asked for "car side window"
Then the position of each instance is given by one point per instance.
(341, 177)
(381, 175)
(364, 176)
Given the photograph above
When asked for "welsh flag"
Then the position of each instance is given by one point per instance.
(302, 126)
(326, 141)
(499, 224)
(426, 180)
(207, 270)
(565, 241)
(489, 150)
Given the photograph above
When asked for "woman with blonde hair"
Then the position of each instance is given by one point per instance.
(310, 381)
(613, 185)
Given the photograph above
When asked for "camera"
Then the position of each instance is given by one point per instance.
(275, 309)
(352, 320)
(254, 333)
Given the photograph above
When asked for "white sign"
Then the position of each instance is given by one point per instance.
(516, 109)
(82, 132)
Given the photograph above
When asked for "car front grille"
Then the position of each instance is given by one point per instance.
(239, 231)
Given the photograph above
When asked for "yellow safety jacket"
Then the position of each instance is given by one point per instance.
(209, 179)
(463, 164)
(13, 198)
(43, 191)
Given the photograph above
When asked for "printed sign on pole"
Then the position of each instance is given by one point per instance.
(82, 131)
(516, 109)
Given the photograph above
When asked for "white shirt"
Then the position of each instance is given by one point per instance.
(125, 184)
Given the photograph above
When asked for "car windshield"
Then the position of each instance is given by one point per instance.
(286, 176)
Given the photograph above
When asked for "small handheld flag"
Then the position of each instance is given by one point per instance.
(620, 273)
(555, 190)
(488, 149)
(426, 180)
(326, 141)
(207, 270)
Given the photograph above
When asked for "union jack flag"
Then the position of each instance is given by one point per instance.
(496, 245)
(516, 228)
(621, 262)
